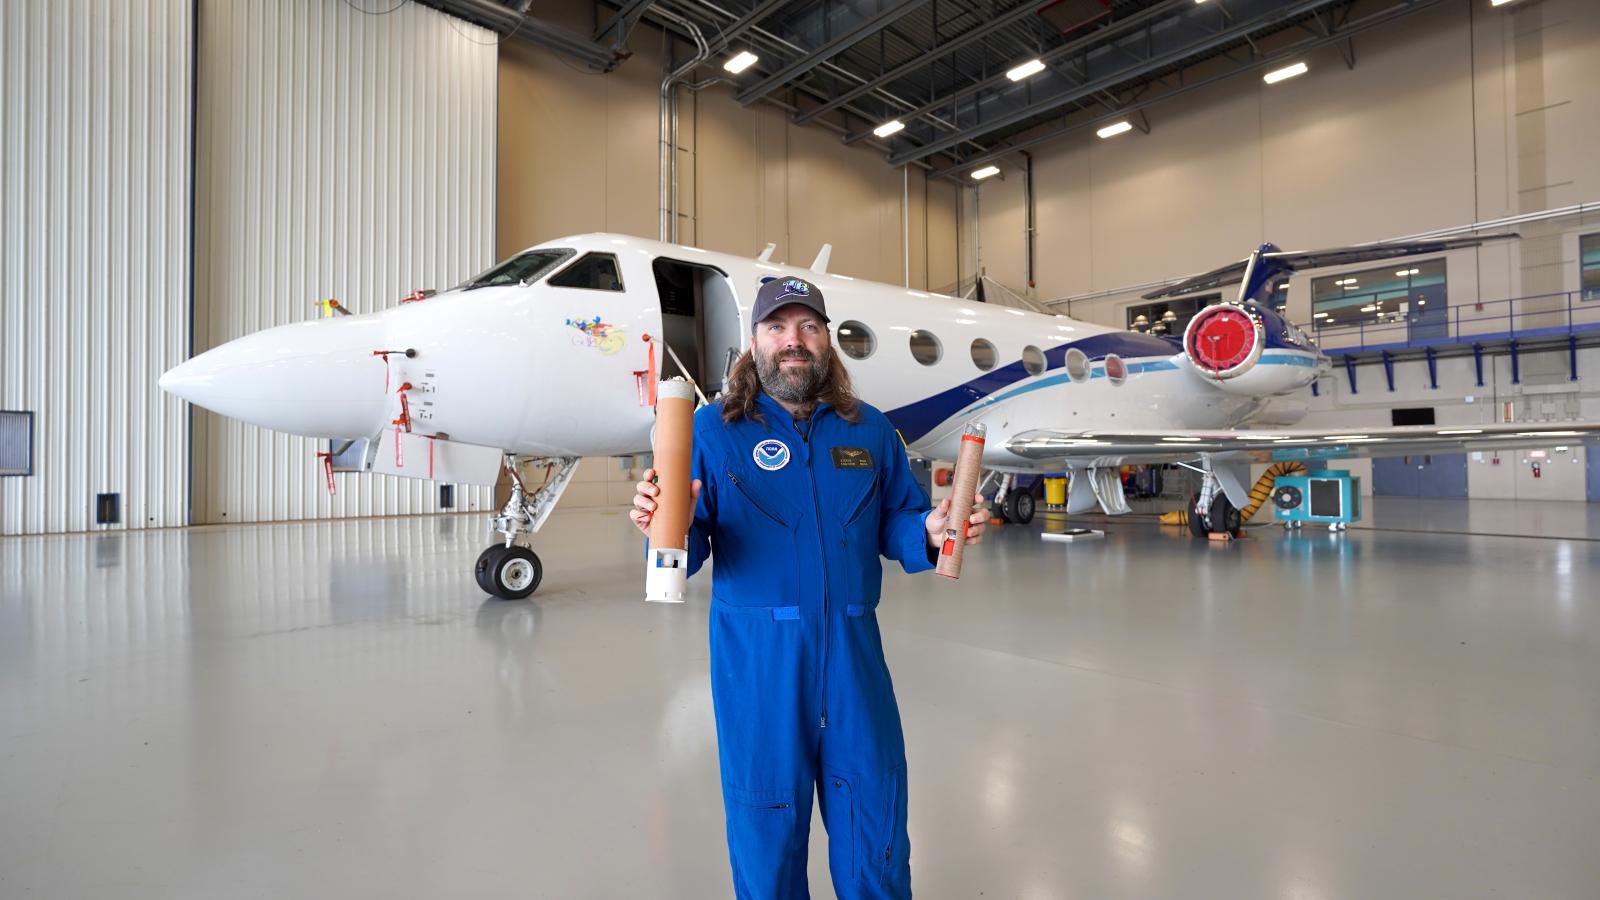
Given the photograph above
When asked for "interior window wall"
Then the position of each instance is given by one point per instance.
(1400, 300)
(1589, 254)
(1168, 317)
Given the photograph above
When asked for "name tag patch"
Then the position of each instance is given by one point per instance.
(852, 458)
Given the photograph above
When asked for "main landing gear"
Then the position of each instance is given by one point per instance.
(1210, 510)
(507, 569)
(1012, 505)
(1220, 516)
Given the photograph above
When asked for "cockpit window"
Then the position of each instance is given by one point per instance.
(524, 268)
(595, 272)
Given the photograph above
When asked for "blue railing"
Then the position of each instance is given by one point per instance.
(1520, 318)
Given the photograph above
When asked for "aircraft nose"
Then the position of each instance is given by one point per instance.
(317, 379)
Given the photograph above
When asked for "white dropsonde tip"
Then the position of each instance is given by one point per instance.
(667, 577)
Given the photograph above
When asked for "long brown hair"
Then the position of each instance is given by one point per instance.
(744, 386)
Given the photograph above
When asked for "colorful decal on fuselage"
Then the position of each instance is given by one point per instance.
(594, 333)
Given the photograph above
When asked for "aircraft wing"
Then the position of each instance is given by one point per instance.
(1317, 259)
(1070, 447)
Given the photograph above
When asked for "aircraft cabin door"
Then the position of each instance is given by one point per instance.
(699, 321)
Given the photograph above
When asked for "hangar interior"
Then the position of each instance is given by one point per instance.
(229, 669)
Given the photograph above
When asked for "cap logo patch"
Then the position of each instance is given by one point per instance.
(793, 287)
(771, 455)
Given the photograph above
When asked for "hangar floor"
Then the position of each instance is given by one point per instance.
(334, 710)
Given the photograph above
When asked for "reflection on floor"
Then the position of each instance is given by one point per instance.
(334, 710)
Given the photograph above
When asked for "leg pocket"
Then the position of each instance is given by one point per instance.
(764, 830)
(884, 847)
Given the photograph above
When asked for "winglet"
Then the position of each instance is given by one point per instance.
(766, 255)
(820, 264)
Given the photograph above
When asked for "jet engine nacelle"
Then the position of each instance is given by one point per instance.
(1224, 342)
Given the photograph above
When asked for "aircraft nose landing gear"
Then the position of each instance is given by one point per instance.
(507, 569)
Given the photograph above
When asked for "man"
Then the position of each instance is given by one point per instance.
(799, 487)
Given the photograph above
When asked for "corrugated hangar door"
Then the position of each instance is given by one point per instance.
(340, 154)
(95, 99)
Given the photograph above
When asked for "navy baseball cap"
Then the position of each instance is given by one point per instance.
(783, 291)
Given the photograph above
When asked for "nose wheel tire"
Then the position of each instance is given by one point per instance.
(508, 573)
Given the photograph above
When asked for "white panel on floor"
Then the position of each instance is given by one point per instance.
(95, 102)
(340, 154)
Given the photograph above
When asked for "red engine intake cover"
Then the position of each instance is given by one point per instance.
(1221, 339)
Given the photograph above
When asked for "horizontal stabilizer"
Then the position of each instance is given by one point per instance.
(1294, 260)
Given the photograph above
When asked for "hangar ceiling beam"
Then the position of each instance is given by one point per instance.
(508, 22)
(1020, 12)
(1146, 66)
(1344, 33)
(1082, 44)
(621, 23)
(865, 28)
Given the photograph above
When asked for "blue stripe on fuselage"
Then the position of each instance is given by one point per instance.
(916, 420)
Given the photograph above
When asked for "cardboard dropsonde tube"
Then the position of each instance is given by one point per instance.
(667, 569)
(969, 465)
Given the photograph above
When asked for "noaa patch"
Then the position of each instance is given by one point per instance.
(771, 455)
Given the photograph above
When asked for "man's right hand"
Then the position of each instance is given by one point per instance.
(644, 499)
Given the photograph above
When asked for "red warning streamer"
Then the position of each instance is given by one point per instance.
(403, 422)
(327, 469)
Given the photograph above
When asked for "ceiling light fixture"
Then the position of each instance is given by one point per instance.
(985, 172)
(889, 128)
(740, 61)
(1115, 128)
(1031, 67)
(1277, 75)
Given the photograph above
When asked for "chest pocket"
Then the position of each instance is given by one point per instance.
(864, 502)
(759, 505)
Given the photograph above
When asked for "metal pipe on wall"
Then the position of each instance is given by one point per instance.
(905, 218)
(1028, 207)
(667, 126)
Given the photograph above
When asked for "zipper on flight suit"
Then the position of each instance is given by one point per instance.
(822, 545)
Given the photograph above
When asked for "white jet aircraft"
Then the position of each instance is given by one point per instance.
(552, 355)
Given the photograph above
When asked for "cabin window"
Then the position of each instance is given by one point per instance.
(1116, 369)
(925, 347)
(1077, 365)
(1032, 359)
(856, 340)
(983, 354)
(524, 268)
(594, 272)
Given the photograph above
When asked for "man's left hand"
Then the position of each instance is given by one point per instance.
(940, 518)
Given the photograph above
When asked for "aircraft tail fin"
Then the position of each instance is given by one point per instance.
(820, 264)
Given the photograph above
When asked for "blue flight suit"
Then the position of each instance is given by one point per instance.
(796, 515)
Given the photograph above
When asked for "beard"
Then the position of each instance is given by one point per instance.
(795, 384)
